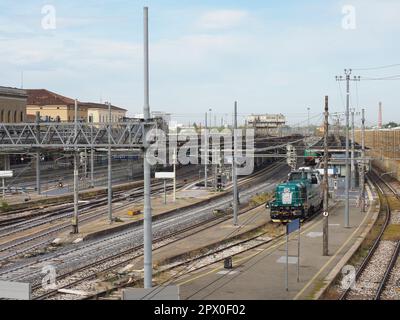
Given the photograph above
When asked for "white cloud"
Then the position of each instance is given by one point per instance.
(222, 19)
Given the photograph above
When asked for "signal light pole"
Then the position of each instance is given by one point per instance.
(348, 173)
(325, 248)
(234, 171)
(75, 220)
(362, 194)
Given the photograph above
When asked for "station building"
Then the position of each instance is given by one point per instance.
(12, 105)
(266, 124)
(55, 107)
(98, 112)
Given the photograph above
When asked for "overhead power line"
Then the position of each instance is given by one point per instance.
(379, 67)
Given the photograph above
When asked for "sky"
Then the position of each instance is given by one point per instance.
(270, 56)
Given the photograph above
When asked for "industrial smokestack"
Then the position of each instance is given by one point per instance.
(380, 116)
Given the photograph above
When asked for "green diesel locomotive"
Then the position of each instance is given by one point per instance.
(299, 197)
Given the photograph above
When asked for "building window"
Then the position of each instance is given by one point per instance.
(22, 117)
(9, 116)
(2, 116)
(15, 116)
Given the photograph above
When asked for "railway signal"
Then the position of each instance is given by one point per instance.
(325, 241)
(291, 156)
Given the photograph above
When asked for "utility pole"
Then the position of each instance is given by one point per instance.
(362, 194)
(91, 157)
(174, 159)
(215, 168)
(325, 247)
(205, 153)
(75, 220)
(348, 173)
(353, 167)
(234, 173)
(308, 121)
(147, 223)
(109, 202)
(38, 188)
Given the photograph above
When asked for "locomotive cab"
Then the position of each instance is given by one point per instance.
(299, 197)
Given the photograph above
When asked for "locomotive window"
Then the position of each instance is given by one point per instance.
(296, 176)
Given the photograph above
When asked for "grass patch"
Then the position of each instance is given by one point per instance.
(392, 233)
(319, 284)
(4, 206)
(260, 198)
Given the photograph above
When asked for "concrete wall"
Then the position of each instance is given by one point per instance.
(384, 149)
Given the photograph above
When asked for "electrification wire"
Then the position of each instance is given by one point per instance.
(341, 94)
(376, 68)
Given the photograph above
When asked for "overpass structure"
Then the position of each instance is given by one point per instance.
(25, 137)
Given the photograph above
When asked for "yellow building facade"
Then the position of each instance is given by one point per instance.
(12, 105)
(55, 107)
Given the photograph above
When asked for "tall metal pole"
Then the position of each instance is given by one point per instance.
(75, 220)
(38, 188)
(109, 180)
(308, 121)
(287, 261)
(165, 191)
(205, 153)
(91, 158)
(362, 195)
(353, 168)
(147, 223)
(175, 175)
(348, 173)
(325, 248)
(215, 168)
(234, 174)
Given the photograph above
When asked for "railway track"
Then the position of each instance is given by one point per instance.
(121, 244)
(88, 212)
(375, 270)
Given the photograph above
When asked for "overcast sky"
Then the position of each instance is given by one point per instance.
(271, 56)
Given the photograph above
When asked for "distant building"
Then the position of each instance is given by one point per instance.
(98, 112)
(55, 107)
(163, 119)
(12, 105)
(266, 124)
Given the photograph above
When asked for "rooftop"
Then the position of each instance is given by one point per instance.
(10, 91)
(43, 97)
(100, 106)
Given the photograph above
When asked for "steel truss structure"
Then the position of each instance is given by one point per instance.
(71, 135)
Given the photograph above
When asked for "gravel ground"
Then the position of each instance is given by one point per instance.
(395, 217)
(392, 290)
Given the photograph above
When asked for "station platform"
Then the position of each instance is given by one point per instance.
(260, 273)
(251, 221)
